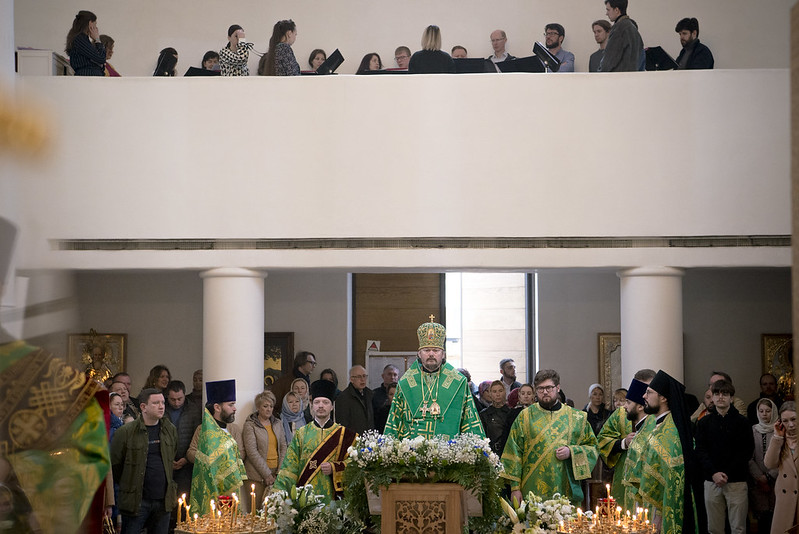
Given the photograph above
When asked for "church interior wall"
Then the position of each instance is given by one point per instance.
(725, 312)
(729, 27)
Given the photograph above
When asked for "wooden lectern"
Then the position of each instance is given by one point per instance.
(440, 508)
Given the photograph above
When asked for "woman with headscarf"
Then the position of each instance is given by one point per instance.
(597, 412)
(761, 487)
(291, 415)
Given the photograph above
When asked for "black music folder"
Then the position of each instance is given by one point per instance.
(465, 65)
(521, 64)
(194, 71)
(659, 59)
(332, 62)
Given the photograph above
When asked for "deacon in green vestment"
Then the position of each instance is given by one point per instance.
(665, 474)
(619, 431)
(317, 451)
(218, 469)
(633, 465)
(432, 397)
(551, 446)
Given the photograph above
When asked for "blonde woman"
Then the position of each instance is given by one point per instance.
(264, 445)
(431, 59)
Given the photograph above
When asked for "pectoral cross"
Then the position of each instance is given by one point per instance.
(424, 409)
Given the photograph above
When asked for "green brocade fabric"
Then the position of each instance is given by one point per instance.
(417, 390)
(53, 435)
(631, 474)
(218, 469)
(529, 456)
(615, 428)
(663, 476)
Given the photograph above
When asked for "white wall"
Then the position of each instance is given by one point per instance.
(674, 155)
(143, 28)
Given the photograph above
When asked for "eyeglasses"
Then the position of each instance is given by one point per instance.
(542, 389)
(397, 58)
(551, 34)
(311, 362)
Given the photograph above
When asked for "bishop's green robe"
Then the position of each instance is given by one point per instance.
(663, 475)
(421, 394)
(529, 456)
(616, 428)
(631, 474)
(218, 469)
(310, 447)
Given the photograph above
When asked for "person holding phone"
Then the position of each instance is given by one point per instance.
(87, 54)
(234, 57)
(782, 455)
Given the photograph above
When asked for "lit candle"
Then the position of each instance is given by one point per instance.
(195, 522)
(213, 508)
(607, 487)
(180, 505)
(188, 517)
(252, 500)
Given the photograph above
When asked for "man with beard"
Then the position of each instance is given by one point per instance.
(214, 450)
(507, 368)
(317, 451)
(554, 34)
(621, 428)
(432, 397)
(551, 447)
(668, 463)
(694, 55)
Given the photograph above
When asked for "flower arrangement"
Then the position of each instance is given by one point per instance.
(301, 511)
(466, 459)
(536, 516)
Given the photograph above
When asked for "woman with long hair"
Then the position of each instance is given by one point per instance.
(234, 57)
(280, 60)
(108, 43)
(159, 378)
(317, 57)
(264, 444)
(86, 52)
(431, 59)
(369, 62)
(167, 63)
(761, 485)
(782, 455)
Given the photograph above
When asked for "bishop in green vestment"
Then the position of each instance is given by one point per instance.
(218, 469)
(551, 446)
(318, 450)
(432, 397)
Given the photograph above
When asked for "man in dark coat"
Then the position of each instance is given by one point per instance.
(694, 55)
(354, 408)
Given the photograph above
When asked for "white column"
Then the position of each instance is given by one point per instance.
(233, 332)
(651, 321)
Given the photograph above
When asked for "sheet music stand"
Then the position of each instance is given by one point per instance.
(332, 62)
(522, 64)
(659, 59)
(548, 60)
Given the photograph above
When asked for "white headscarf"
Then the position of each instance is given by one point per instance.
(768, 427)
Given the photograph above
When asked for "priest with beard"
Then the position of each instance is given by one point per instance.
(551, 446)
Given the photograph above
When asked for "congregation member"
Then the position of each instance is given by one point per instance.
(390, 375)
(624, 50)
(432, 397)
(280, 60)
(616, 435)
(196, 395)
(619, 398)
(318, 450)
(431, 59)
(738, 402)
(402, 56)
(381, 415)
(495, 417)
(129, 412)
(554, 34)
(354, 407)
(234, 57)
(499, 40)
(596, 410)
(216, 448)
(724, 448)
(704, 407)
(142, 453)
(551, 447)
(768, 390)
(483, 399)
(525, 396)
(507, 371)
(459, 52)
(87, 55)
(186, 418)
(317, 57)
(694, 55)
(370, 62)
(167, 65)
(669, 472)
(761, 487)
(210, 61)
(330, 375)
(781, 455)
(124, 378)
(601, 29)
(304, 363)
(108, 43)
(264, 446)
(158, 378)
(292, 415)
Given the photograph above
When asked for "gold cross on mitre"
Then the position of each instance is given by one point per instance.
(432, 318)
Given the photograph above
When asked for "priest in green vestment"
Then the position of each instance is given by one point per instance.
(318, 450)
(619, 430)
(551, 446)
(218, 469)
(432, 397)
(665, 474)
